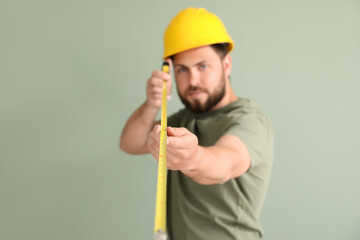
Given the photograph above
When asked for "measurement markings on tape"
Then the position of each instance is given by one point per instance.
(160, 208)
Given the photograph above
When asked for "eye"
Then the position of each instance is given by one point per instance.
(182, 69)
(203, 66)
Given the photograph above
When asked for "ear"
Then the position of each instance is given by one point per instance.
(227, 65)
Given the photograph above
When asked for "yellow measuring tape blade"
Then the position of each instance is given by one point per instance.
(160, 209)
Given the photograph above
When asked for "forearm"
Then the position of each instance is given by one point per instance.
(211, 167)
(134, 136)
(219, 163)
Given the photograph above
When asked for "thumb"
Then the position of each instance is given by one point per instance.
(176, 132)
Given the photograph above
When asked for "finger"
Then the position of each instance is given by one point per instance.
(157, 129)
(154, 135)
(161, 75)
(168, 60)
(154, 98)
(155, 82)
(177, 132)
(154, 153)
(155, 89)
(155, 92)
(153, 141)
(175, 143)
(158, 96)
(180, 143)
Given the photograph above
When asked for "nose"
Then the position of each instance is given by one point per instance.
(194, 78)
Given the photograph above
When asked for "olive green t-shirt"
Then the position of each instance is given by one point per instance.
(230, 210)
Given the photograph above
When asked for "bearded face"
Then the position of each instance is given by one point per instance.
(213, 98)
(200, 78)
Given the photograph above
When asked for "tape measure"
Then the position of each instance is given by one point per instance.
(160, 208)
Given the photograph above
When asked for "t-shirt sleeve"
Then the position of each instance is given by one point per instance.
(256, 133)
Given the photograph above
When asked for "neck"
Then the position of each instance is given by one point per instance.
(229, 97)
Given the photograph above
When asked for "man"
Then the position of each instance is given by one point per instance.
(220, 147)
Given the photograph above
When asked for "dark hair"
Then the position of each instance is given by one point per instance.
(219, 48)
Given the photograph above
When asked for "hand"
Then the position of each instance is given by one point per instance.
(154, 86)
(182, 148)
(154, 141)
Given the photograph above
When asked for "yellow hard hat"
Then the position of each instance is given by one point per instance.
(192, 28)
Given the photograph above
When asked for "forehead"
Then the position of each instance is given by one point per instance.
(205, 53)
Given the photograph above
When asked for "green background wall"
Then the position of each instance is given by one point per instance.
(71, 73)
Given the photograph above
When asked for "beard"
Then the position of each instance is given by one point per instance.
(196, 106)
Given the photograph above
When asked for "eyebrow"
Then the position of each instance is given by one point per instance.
(196, 64)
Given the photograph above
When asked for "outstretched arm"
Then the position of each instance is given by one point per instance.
(228, 158)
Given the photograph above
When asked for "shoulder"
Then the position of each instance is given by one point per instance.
(245, 112)
(254, 128)
(247, 115)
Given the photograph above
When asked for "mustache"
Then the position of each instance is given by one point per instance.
(194, 88)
